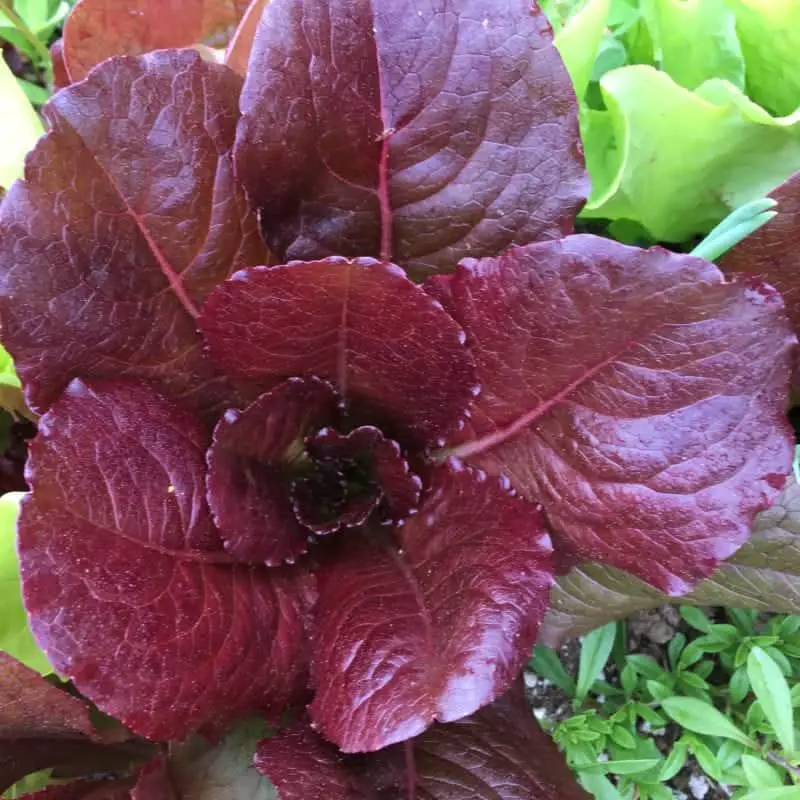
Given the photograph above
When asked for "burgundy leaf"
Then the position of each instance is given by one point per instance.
(414, 131)
(360, 324)
(128, 217)
(30, 707)
(153, 782)
(60, 75)
(99, 29)
(771, 252)
(42, 726)
(248, 484)
(636, 394)
(303, 766)
(382, 460)
(124, 578)
(499, 753)
(438, 628)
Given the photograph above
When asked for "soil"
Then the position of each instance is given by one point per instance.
(649, 632)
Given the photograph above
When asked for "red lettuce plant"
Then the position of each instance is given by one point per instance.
(340, 475)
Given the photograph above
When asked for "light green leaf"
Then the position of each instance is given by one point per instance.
(681, 161)
(599, 786)
(20, 129)
(35, 93)
(579, 40)
(545, 662)
(595, 651)
(786, 793)
(759, 774)
(11, 397)
(674, 762)
(223, 771)
(630, 766)
(772, 691)
(698, 41)
(700, 717)
(15, 635)
(696, 618)
(770, 37)
(35, 13)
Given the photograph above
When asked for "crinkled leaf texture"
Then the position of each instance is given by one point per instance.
(771, 252)
(162, 632)
(500, 753)
(97, 30)
(129, 215)
(388, 348)
(418, 132)
(763, 575)
(247, 490)
(42, 726)
(438, 628)
(730, 151)
(636, 394)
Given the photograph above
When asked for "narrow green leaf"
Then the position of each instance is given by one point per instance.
(659, 691)
(628, 678)
(620, 767)
(646, 666)
(696, 618)
(786, 793)
(729, 753)
(739, 686)
(706, 759)
(759, 774)
(599, 786)
(545, 662)
(737, 226)
(674, 762)
(622, 737)
(594, 655)
(772, 691)
(700, 717)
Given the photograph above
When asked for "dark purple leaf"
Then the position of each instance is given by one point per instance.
(437, 628)
(340, 490)
(124, 578)
(248, 479)
(42, 726)
(771, 252)
(60, 75)
(31, 707)
(415, 131)
(500, 753)
(303, 766)
(128, 217)
(636, 394)
(398, 488)
(99, 29)
(363, 325)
